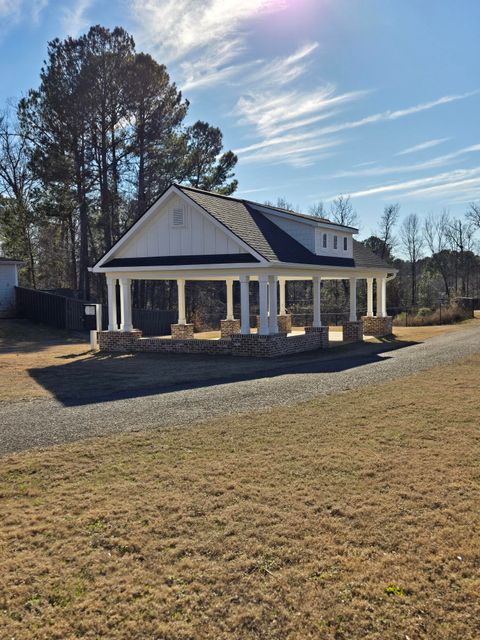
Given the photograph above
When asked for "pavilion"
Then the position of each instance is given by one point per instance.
(190, 234)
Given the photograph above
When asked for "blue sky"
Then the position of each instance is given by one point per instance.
(375, 98)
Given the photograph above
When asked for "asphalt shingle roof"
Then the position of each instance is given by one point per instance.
(246, 220)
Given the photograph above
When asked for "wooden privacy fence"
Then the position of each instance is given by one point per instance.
(64, 312)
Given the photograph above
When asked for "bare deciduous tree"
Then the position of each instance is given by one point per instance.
(473, 214)
(460, 234)
(342, 211)
(386, 228)
(412, 241)
(16, 184)
(317, 210)
(436, 238)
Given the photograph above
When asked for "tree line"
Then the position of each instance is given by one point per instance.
(436, 257)
(85, 153)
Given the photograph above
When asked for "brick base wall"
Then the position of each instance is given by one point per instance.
(353, 331)
(273, 346)
(284, 323)
(182, 331)
(118, 340)
(270, 346)
(377, 327)
(207, 347)
(229, 328)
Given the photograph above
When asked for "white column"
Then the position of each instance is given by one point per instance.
(273, 304)
(182, 319)
(229, 284)
(282, 284)
(384, 297)
(353, 299)
(245, 304)
(112, 304)
(369, 297)
(125, 304)
(263, 299)
(379, 297)
(317, 287)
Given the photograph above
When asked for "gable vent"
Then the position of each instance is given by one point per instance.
(178, 217)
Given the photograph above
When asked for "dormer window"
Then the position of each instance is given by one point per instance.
(335, 242)
(345, 244)
(324, 241)
(178, 217)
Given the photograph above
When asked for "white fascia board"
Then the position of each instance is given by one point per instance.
(183, 267)
(276, 267)
(316, 267)
(221, 226)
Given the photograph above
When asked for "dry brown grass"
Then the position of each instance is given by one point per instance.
(420, 334)
(39, 362)
(352, 516)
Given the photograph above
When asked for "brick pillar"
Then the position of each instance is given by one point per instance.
(322, 332)
(353, 331)
(118, 340)
(377, 327)
(284, 323)
(229, 328)
(182, 331)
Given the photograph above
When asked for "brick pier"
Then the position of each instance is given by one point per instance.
(377, 327)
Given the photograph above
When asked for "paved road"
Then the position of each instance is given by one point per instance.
(45, 422)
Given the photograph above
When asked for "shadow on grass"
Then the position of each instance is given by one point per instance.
(108, 377)
(24, 336)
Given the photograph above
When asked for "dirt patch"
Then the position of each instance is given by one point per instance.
(352, 516)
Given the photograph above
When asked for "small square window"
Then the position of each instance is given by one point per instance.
(335, 242)
(345, 244)
(324, 240)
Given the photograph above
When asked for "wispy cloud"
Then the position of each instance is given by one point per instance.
(385, 116)
(202, 37)
(75, 19)
(422, 146)
(282, 117)
(13, 12)
(433, 163)
(446, 182)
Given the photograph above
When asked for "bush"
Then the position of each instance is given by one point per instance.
(426, 316)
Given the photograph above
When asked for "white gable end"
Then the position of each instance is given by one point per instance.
(178, 229)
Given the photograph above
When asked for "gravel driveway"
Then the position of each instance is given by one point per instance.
(45, 422)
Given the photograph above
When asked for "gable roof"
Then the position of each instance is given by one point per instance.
(247, 221)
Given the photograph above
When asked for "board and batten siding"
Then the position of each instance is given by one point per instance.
(8, 282)
(198, 236)
(302, 232)
(339, 252)
(312, 237)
